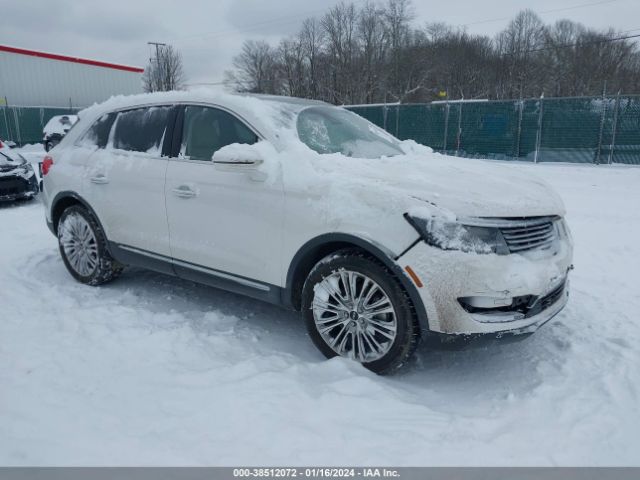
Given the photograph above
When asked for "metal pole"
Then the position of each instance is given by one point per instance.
(459, 127)
(6, 120)
(384, 118)
(157, 65)
(397, 118)
(384, 112)
(615, 127)
(602, 117)
(15, 118)
(539, 133)
(446, 126)
(521, 107)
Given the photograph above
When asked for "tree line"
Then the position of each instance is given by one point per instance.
(375, 53)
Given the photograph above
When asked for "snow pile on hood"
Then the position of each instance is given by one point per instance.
(427, 183)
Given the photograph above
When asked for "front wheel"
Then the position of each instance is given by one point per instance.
(83, 247)
(355, 307)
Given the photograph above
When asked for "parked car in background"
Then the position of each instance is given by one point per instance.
(7, 144)
(302, 204)
(56, 128)
(17, 177)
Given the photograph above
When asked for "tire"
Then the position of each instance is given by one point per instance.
(81, 237)
(360, 333)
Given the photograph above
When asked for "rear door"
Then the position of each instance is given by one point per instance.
(223, 223)
(125, 180)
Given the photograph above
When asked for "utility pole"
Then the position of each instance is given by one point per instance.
(157, 45)
(156, 77)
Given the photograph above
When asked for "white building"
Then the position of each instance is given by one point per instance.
(30, 78)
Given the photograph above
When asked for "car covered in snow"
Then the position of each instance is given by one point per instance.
(7, 144)
(18, 180)
(56, 128)
(378, 242)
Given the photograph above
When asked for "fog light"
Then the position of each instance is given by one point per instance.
(487, 302)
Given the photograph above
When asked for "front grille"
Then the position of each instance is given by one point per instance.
(529, 235)
(12, 186)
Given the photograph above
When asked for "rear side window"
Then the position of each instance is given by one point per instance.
(141, 130)
(206, 130)
(98, 134)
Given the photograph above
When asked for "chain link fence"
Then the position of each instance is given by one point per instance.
(579, 130)
(24, 124)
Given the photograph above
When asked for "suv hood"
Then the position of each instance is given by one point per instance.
(480, 188)
(464, 187)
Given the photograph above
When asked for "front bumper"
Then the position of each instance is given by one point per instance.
(448, 276)
(15, 187)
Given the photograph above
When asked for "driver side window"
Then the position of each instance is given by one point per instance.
(206, 130)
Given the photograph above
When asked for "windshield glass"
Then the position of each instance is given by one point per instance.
(335, 130)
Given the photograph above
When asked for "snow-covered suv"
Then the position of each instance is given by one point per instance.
(378, 242)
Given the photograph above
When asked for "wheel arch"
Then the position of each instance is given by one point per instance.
(64, 200)
(319, 247)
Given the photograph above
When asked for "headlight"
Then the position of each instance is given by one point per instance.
(563, 229)
(449, 235)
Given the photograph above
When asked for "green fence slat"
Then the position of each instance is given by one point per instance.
(575, 130)
(24, 124)
(627, 144)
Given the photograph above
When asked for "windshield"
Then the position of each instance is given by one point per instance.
(335, 130)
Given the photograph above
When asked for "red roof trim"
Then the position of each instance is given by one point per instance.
(64, 58)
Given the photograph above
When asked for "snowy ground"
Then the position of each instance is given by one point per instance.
(154, 370)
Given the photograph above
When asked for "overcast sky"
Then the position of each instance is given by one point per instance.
(210, 32)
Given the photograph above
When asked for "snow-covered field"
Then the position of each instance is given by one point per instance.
(151, 370)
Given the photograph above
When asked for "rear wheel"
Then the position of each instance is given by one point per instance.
(83, 247)
(355, 307)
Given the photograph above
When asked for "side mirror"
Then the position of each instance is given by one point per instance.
(237, 155)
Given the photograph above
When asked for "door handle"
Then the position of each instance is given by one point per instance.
(99, 179)
(184, 191)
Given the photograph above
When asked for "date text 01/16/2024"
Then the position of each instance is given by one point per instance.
(315, 472)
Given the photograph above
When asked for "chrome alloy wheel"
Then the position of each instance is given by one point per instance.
(354, 316)
(79, 244)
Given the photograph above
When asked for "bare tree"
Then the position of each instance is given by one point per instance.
(312, 38)
(256, 69)
(372, 53)
(165, 71)
(518, 46)
(373, 46)
(339, 24)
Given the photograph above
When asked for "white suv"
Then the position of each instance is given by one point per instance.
(378, 242)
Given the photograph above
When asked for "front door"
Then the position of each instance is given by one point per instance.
(223, 223)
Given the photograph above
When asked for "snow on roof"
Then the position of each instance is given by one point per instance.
(284, 99)
(270, 115)
(65, 58)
